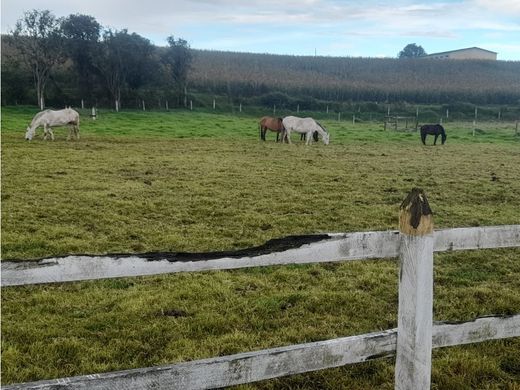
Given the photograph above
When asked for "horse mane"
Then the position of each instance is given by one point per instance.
(320, 125)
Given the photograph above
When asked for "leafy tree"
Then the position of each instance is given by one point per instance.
(123, 60)
(82, 33)
(412, 51)
(38, 38)
(178, 59)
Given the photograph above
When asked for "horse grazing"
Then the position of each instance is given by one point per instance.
(50, 118)
(435, 130)
(307, 126)
(270, 123)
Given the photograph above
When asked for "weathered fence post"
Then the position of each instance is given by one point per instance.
(414, 332)
(93, 114)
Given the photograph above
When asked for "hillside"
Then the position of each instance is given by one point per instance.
(244, 75)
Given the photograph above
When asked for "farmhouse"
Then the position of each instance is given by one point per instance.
(470, 53)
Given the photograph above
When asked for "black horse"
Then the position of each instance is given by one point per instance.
(435, 130)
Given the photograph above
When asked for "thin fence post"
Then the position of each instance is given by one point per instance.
(82, 104)
(298, 108)
(191, 105)
(354, 119)
(167, 108)
(274, 109)
(144, 107)
(414, 332)
(240, 107)
(339, 116)
(213, 103)
(93, 113)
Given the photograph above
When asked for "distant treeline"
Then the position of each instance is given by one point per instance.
(63, 61)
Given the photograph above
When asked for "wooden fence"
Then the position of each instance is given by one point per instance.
(412, 341)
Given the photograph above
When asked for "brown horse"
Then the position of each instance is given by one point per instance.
(270, 123)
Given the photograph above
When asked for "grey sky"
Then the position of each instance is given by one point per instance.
(328, 27)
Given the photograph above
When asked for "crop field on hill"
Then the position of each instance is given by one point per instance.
(199, 181)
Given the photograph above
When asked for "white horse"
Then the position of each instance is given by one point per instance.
(50, 118)
(305, 126)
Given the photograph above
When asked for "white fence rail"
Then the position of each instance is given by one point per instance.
(412, 341)
(334, 247)
(276, 362)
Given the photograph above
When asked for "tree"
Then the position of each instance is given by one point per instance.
(82, 33)
(412, 51)
(123, 60)
(38, 38)
(178, 59)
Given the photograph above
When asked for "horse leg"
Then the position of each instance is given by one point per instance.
(283, 136)
(277, 136)
(76, 131)
(288, 135)
(423, 139)
(45, 132)
(435, 139)
(308, 137)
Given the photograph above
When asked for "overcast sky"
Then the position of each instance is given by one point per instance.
(367, 28)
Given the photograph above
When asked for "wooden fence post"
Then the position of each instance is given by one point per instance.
(414, 332)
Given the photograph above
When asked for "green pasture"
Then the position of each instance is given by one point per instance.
(199, 181)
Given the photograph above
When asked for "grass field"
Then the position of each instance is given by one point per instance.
(184, 181)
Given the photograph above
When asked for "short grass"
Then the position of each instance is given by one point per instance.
(184, 181)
